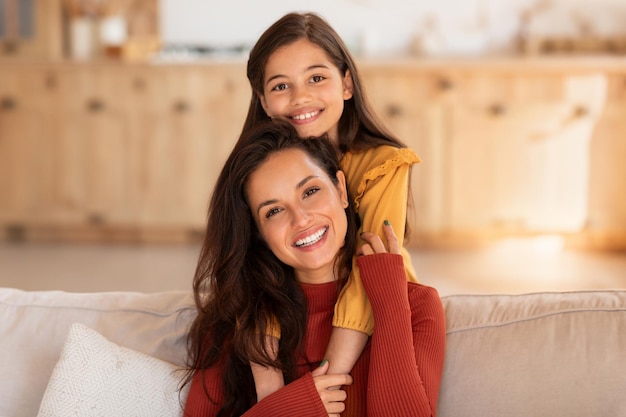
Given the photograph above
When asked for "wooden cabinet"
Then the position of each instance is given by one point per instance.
(25, 169)
(91, 138)
(415, 107)
(114, 152)
(509, 151)
(185, 121)
(130, 152)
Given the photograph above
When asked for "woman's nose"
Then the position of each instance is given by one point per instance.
(301, 218)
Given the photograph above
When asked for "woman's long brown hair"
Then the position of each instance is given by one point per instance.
(239, 285)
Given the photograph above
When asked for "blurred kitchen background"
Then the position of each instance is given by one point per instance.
(116, 115)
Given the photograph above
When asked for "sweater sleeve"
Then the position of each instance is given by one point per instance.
(297, 398)
(408, 343)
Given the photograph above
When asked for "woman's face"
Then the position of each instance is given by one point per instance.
(299, 212)
(303, 86)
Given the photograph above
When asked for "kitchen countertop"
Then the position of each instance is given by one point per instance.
(605, 63)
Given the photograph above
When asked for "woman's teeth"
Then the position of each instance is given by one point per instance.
(309, 240)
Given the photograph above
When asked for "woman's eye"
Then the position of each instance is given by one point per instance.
(317, 78)
(311, 191)
(272, 212)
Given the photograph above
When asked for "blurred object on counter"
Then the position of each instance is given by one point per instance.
(114, 29)
(538, 45)
(548, 29)
(438, 37)
(189, 53)
(30, 29)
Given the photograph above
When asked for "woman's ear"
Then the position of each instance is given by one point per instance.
(341, 187)
(348, 85)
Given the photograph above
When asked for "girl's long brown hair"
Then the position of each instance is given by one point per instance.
(359, 128)
(240, 287)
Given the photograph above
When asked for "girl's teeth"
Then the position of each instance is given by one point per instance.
(309, 240)
(305, 116)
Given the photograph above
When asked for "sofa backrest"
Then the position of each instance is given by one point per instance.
(544, 354)
(34, 327)
(540, 355)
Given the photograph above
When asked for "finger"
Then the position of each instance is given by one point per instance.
(321, 369)
(392, 239)
(333, 380)
(365, 249)
(374, 241)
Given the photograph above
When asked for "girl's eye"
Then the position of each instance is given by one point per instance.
(317, 78)
(309, 192)
(279, 87)
(272, 212)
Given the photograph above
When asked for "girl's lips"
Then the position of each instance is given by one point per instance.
(305, 116)
(311, 238)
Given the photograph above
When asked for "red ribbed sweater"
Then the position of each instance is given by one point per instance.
(398, 373)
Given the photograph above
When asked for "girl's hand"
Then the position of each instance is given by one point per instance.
(332, 399)
(375, 244)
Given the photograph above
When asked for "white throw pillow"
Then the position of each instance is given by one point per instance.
(96, 377)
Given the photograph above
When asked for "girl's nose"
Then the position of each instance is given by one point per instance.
(300, 95)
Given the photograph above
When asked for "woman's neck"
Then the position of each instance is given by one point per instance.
(317, 276)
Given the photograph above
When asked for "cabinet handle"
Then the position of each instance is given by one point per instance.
(51, 82)
(95, 105)
(580, 112)
(8, 103)
(497, 109)
(182, 107)
(139, 84)
(445, 84)
(95, 219)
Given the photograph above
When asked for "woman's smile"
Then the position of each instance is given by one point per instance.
(311, 239)
(300, 213)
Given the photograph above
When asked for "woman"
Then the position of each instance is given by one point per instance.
(278, 246)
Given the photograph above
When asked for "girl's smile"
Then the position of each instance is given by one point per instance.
(303, 86)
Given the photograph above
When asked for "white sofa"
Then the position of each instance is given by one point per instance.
(544, 354)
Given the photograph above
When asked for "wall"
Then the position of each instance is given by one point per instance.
(388, 27)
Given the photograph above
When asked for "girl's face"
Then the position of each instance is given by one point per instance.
(303, 86)
(299, 212)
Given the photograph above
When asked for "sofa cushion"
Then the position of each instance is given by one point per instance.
(95, 377)
(544, 354)
(34, 326)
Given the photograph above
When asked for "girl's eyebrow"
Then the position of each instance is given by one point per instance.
(312, 67)
(274, 201)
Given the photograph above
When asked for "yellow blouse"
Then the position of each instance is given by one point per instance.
(378, 182)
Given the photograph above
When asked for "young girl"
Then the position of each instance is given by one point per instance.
(301, 71)
(280, 238)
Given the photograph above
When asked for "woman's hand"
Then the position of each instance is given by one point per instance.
(332, 399)
(375, 243)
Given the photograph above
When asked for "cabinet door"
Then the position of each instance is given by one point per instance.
(519, 153)
(413, 105)
(187, 125)
(607, 202)
(24, 151)
(91, 148)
